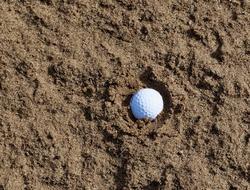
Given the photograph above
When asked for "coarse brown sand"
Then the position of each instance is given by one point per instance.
(67, 72)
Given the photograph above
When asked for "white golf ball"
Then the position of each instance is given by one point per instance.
(146, 103)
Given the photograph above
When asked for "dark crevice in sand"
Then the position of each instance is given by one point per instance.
(150, 80)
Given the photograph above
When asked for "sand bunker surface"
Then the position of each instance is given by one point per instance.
(67, 72)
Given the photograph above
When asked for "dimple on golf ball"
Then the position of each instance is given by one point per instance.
(146, 103)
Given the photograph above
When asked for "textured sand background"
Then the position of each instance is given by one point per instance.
(67, 71)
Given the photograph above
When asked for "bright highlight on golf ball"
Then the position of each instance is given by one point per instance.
(146, 103)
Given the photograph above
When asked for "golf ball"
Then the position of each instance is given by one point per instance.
(146, 103)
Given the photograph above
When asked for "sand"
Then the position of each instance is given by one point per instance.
(69, 67)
